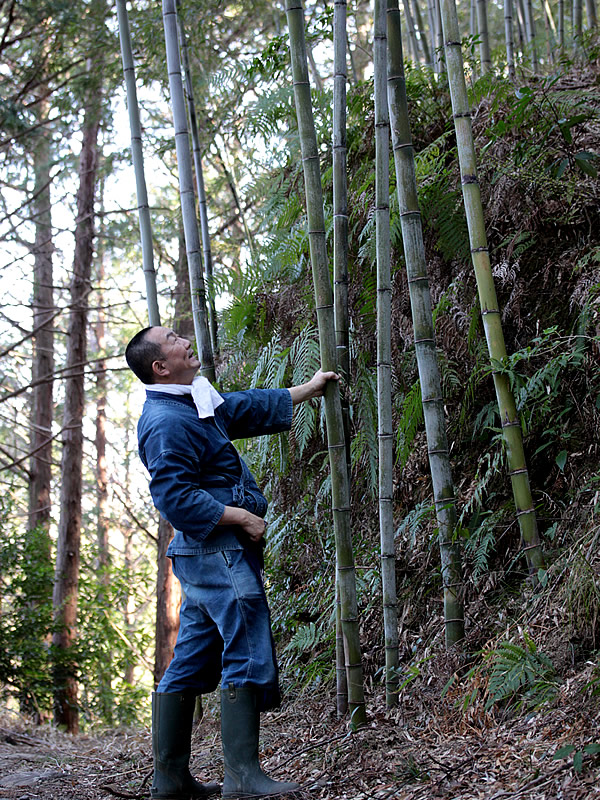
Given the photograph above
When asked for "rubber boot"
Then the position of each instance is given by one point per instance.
(172, 717)
(240, 722)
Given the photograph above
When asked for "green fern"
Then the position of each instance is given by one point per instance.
(520, 674)
(411, 416)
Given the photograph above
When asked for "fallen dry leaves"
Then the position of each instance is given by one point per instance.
(425, 749)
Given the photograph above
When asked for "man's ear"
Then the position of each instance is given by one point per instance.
(160, 369)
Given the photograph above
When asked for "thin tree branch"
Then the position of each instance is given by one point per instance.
(130, 513)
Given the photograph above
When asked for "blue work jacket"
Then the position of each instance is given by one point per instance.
(195, 470)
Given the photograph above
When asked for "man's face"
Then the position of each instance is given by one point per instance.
(179, 363)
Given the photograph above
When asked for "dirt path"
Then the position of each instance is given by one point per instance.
(407, 754)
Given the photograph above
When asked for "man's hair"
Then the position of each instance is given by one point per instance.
(140, 353)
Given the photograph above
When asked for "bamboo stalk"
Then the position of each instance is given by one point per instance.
(186, 192)
(432, 17)
(340, 277)
(530, 35)
(200, 188)
(508, 35)
(384, 354)
(427, 364)
(484, 39)
(410, 29)
(421, 29)
(561, 23)
(333, 412)
(490, 311)
(137, 156)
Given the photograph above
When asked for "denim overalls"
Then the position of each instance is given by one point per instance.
(195, 471)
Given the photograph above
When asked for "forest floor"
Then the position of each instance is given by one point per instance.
(427, 748)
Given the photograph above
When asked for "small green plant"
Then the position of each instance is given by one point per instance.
(519, 676)
(590, 749)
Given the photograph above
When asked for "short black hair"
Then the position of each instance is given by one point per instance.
(140, 354)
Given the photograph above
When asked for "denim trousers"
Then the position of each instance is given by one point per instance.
(224, 627)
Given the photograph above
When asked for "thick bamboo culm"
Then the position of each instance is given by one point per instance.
(384, 354)
(490, 312)
(422, 37)
(340, 281)
(420, 301)
(484, 39)
(202, 206)
(530, 35)
(137, 157)
(508, 35)
(333, 411)
(186, 192)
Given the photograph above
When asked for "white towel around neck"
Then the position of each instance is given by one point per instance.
(204, 395)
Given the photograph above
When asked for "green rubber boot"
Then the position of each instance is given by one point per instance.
(172, 718)
(240, 722)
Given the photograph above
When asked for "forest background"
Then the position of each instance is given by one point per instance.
(73, 294)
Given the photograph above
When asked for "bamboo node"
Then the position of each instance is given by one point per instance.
(522, 471)
(490, 311)
(485, 249)
(526, 511)
(466, 180)
(402, 146)
(530, 547)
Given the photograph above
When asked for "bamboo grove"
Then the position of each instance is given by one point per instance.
(287, 211)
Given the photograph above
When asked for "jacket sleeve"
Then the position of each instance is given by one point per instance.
(256, 412)
(175, 492)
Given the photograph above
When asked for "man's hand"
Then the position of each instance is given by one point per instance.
(254, 526)
(315, 387)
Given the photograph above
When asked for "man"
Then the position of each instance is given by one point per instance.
(204, 489)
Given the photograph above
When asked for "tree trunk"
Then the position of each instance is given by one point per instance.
(102, 543)
(360, 54)
(43, 340)
(384, 354)
(137, 156)
(511, 426)
(40, 466)
(66, 712)
(333, 411)
(168, 601)
(427, 363)
(186, 192)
